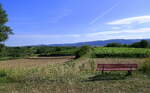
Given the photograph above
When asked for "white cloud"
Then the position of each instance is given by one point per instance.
(131, 20)
(89, 35)
(139, 33)
(113, 32)
(46, 36)
(116, 28)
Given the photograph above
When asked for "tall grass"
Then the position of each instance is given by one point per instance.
(76, 70)
(76, 76)
(145, 66)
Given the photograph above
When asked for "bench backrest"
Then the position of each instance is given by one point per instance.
(118, 67)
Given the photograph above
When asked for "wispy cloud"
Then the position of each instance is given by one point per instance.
(131, 20)
(89, 35)
(113, 32)
(47, 19)
(116, 28)
(46, 36)
(139, 33)
(104, 13)
(64, 13)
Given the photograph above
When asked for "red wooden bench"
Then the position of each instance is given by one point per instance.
(117, 67)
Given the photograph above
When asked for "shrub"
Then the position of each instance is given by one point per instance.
(145, 67)
(82, 51)
(3, 73)
(114, 45)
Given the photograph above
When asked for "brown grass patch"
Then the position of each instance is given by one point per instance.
(33, 62)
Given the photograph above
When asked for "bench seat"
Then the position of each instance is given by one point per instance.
(116, 67)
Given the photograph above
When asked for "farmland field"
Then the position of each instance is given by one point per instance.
(121, 52)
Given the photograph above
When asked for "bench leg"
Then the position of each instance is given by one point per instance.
(129, 72)
(102, 71)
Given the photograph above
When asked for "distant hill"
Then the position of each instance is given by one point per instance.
(100, 42)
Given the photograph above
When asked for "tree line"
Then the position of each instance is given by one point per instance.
(140, 44)
(29, 51)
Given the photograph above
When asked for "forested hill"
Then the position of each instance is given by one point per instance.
(101, 42)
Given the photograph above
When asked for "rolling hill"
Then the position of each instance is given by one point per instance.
(101, 42)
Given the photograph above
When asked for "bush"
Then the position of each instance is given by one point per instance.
(145, 67)
(114, 45)
(3, 73)
(82, 51)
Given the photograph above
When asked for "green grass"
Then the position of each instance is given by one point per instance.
(8, 58)
(121, 52)
(65, 52)
(11, 58)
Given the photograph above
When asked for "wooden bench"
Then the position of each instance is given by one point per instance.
(117, 67)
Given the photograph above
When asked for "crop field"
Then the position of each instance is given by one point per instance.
(121, 52)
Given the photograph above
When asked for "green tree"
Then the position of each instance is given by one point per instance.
(2, 50)
(144, 43)
(114, 45)
(141, 44)
(5, 31)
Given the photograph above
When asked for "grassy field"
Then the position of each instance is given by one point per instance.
(122, 52)
(64, 75)
(33, 62)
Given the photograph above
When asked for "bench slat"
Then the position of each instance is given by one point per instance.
(116, 67)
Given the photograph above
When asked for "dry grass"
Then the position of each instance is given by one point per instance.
(33, 62)
(59, 75)
(119, 86)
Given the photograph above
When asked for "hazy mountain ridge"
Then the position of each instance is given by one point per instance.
(100, 42)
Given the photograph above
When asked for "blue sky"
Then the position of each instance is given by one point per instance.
(67, 21)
